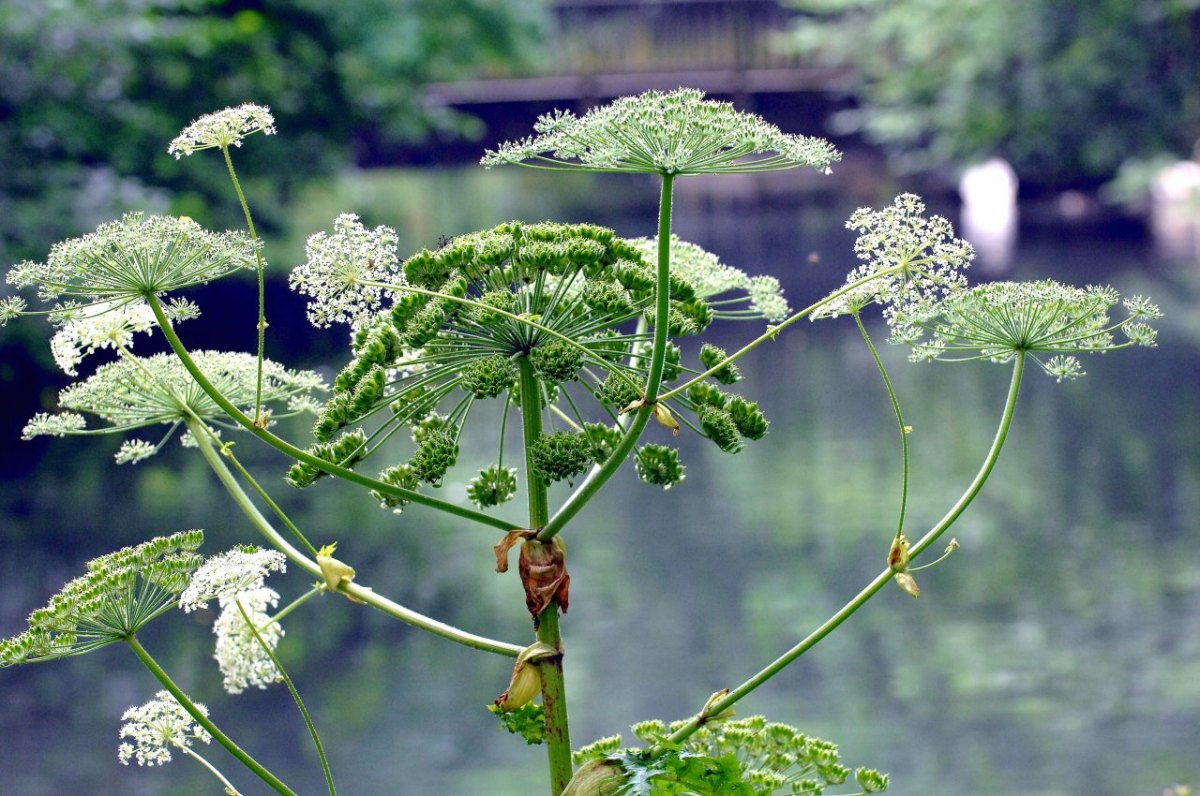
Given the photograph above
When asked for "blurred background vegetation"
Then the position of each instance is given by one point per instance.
(1056, 654)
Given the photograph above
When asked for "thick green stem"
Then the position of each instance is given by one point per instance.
(880, 580)
(301, 455)
(554, 701)
(531, 427)
(662, 305)
(203, 721)
(554, 694)
(362, 593)
(262, 292)
(599, 476)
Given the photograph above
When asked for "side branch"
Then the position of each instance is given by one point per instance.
(360, 593)
(880, 580)
(302, 455)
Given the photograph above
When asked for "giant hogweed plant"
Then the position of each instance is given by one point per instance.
(572, 330)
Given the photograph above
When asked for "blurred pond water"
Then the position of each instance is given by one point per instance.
(1057, 653)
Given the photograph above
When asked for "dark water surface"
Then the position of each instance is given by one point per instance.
(1056, 653)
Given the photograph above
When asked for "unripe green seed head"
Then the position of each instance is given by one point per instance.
(710, 355)
(488, 377)
(556, 361)
(659, 464)
(718, 426)
(561, 455)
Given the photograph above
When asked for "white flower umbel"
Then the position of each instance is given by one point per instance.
(227, 575)
(922, 259)
(136, 392)
(223, 129)
(244, 661)
(11, 307)
(337, 265)
(127, 260)
(673, 132)
(158, 727)
(1000, 320)
(719, 283)
(102, 325)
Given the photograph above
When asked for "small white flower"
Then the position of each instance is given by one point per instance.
(11, 307)
(242, 659)
(227, 575)
(926, 257)
(133, 451)
(338, 264)
(223, 129)
(103, 325)
(766, 297)
(59, 425)
(156, 727)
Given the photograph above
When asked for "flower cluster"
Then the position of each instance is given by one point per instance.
(345, 272)
(673, 132)
(714, 280)
(156, 728)
(912, 261)
(225, 576)
(566, 305)
(116, 597)
(750, 756)
(243, 659)
(999, 320)
(126, 261)
(98, 326)
(235, 578)
(222, 129)
(136, 392)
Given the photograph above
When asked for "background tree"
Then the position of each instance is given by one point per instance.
(89, 91)
(1061, 90)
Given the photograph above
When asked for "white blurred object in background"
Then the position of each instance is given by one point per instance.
(989, 212)
(1175, 210)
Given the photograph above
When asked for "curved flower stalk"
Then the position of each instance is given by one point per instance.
(916, 261)
(1000, 320)
(565, 298)
(672, 133)
(124, 261)
(222, 130)
(139, 392)
(118, 595)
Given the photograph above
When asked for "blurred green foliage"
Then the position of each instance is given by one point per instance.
(92, 92)
(1066, 91)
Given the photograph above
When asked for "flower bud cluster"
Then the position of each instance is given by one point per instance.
(726, 418)
(659, 465)
(493, 486)
(770, 757)
(561, 455)
(116, 597)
